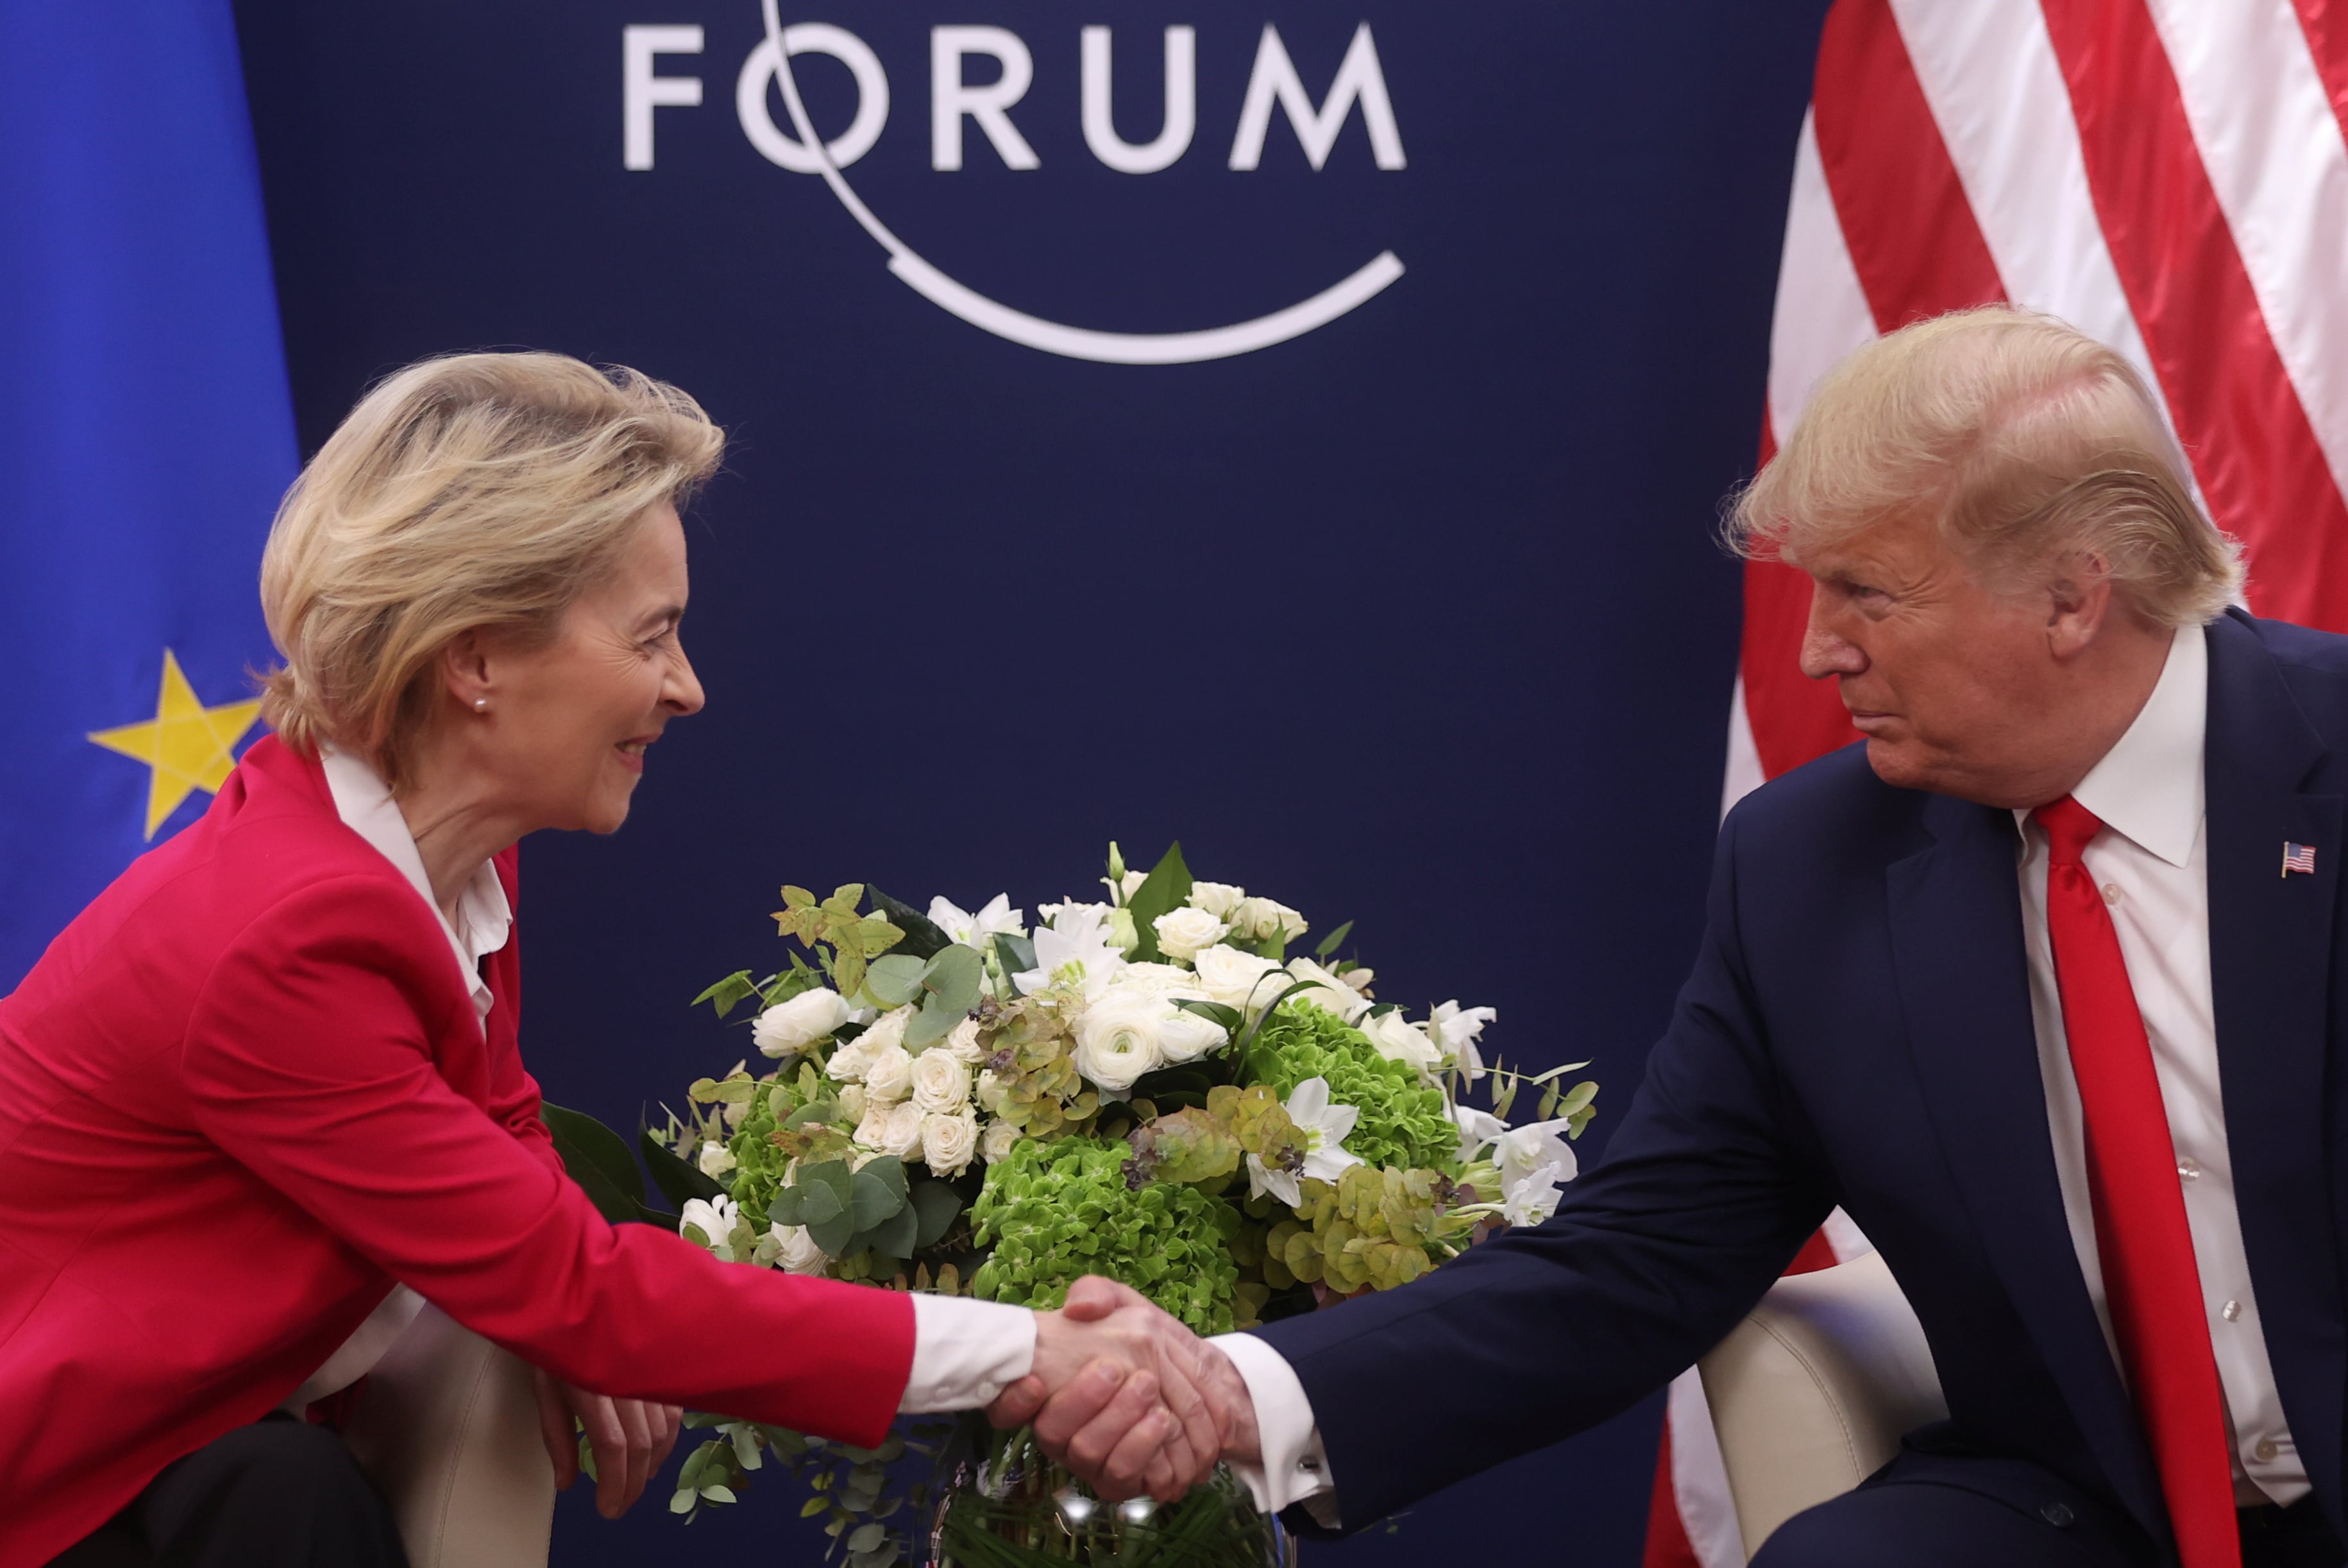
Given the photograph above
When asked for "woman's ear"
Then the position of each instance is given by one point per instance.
(465, 671)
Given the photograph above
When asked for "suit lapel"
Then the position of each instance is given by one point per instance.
(2272, 971)
(1964, 988)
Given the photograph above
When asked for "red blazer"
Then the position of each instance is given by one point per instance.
(242, 1094)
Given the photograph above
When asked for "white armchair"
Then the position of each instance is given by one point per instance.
(448, 1430)
(1811, 1393)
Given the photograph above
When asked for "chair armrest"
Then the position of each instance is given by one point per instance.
(1812, 1392)
(448, 1430)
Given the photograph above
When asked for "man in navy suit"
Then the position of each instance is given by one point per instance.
(2039, 985)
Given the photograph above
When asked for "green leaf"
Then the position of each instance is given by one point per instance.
(677, 1178)
(956, 977)
(934, 1205)
(815, 1110)
(728, 992)
(682, 1502)
(894, 1237)
(833, 1234)
(1016, 954)
(718, 1493)
(814, 1506)
(895, 980)
(924, 937)
(788, 1207)
(931, 1025)
(866, 1537)
(1273, 1006)
(819, 1204)
(872, 1198)
(599, 1160)
(1331, 943)
(1230, 1018)
(1163, 891)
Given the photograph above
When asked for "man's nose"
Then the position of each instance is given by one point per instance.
(1825, 652)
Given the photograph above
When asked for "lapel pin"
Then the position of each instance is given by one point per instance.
(2298, 857)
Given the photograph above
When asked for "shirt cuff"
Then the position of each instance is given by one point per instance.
(965, 1352)
(1294, 1466)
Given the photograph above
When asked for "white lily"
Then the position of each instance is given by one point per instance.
(1479, 1130)
(1457, 1030)
(996, 919)
(1533, 1198)
(1326, 1128)
(714, 1218)
(1077, 945)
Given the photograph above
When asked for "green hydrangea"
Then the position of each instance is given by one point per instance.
(758, 1165)
(1403, 1121)
(1057, 1210)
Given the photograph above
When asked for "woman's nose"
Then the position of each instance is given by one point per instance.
(683, 694)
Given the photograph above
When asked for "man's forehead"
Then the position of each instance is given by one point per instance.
(1904, 539)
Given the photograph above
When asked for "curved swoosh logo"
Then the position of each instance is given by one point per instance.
(1056, 337)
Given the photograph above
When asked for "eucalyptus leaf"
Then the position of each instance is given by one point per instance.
(931, 1025)
(819, 1204)
(833, 1234)
(923, 936)
(789, 1207)
(896, 979)
(817, 1111)
(865, 1537)
(894, 1237)
(1164, 890)
(954, 978)
(934, 1206)
(872, 1200)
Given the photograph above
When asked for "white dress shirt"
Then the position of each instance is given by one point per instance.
(964, 1352)
(2152, 865)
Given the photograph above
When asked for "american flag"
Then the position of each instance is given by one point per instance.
(2298, 857)
(2169, 175)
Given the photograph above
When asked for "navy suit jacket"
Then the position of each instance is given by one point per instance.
(1858, 1032)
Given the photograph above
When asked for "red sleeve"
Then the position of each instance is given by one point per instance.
(308, 1059)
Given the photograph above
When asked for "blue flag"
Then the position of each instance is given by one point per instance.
(146, 436)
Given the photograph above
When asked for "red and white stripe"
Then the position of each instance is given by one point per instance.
(2171, 176)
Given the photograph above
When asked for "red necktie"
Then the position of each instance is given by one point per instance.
(2150, 1281)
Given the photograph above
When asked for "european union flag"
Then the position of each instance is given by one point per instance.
(145, 440)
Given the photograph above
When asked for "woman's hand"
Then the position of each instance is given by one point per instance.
(630, 1439)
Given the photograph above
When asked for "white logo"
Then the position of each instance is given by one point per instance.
(1273, 82)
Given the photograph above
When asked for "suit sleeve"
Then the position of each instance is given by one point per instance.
(1708, 1189)
(309, 1059)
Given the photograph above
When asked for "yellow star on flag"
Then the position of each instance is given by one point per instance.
(188, 747)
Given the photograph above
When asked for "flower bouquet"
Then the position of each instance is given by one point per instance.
(1148, 1087)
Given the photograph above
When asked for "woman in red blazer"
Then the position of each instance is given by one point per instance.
(267, 1085)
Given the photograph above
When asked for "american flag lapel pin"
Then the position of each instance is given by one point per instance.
(2298, 857)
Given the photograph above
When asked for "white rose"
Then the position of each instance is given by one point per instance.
(891, 1076)
(872, 1128)
(789, 1028)
(961, 1042)
(715, 1160)
(1218, 899)
(1186, 1037)
(941, 1082)
(990, 1091)
(852, 1061)
(791, 1247)
(949, 1141)
(1117, 1039)
(996, 1143)
(1236, 979)
(1329, 992)
(851, 1099)
(902, 1136)
(1158, 980)
(1183, 932)
(1400, 1042)
(1258, 918)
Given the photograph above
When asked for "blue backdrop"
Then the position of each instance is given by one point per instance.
(1415, 618)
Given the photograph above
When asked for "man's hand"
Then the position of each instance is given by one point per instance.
(630, 1439)
(1127, 1398)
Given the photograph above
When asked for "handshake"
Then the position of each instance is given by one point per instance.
(1127, 1398)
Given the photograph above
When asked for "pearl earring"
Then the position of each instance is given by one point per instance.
(480, 704)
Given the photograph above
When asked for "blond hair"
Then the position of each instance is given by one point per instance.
(468, 491)
(2022, 438)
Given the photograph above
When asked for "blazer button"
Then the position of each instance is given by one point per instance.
(2057, 1515)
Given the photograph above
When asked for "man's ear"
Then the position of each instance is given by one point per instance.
(2079, 602)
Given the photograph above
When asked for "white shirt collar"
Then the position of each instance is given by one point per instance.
(484, 918)
(2149, 786)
